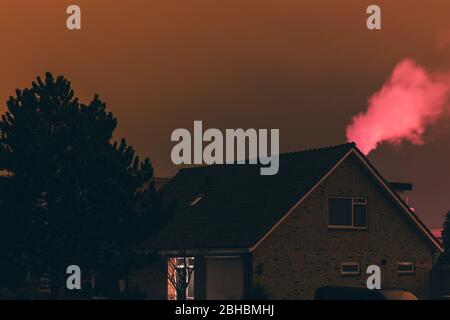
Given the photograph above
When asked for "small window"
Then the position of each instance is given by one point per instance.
(350, 268)
(197, 199)
(347, 212)
(405, 267)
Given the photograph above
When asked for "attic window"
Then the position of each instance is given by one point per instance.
(347, 212)
(197, 199)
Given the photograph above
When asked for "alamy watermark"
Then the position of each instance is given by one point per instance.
(73, 21)
(374, 279)
(74, 279)
(230, 148)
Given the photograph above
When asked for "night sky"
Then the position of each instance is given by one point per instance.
(305, 67)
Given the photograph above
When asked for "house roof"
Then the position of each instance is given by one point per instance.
(233, 206)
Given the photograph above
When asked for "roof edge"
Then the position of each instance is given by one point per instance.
(412, 215)
(306, 195)
(349, 145)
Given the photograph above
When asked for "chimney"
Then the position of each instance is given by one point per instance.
(402, 189)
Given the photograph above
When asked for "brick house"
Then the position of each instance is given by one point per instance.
(325, 217)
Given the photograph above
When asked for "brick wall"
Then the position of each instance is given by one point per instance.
(302, 254)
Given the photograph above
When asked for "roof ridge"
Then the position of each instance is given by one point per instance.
(342, 145)
(348, 145)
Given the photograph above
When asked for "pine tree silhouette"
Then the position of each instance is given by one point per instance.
(75, 195)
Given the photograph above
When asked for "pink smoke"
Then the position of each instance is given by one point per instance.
(407, 104)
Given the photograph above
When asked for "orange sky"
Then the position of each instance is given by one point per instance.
(302, 66)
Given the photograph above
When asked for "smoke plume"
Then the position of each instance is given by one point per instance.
(408, 103)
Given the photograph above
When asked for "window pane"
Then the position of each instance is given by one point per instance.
(190, 288)
(350, 268)
(360, 215)
(340, 211)
(405, 267)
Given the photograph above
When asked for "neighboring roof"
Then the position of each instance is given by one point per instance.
(236, 207)
(401, 186)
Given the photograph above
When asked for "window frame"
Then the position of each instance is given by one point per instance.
(355, 201)
(191, 277)
(350, 263)
(406, 262)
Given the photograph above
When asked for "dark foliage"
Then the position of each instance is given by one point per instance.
(72, 196)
